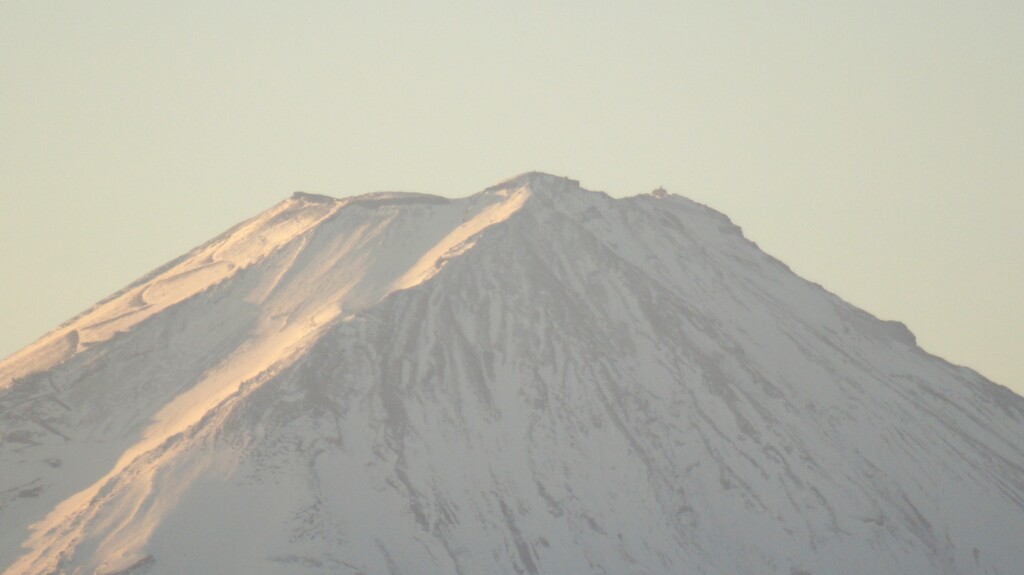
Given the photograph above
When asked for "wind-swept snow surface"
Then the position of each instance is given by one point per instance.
(533, 379)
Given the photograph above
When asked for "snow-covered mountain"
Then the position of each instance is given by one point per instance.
(533, 379)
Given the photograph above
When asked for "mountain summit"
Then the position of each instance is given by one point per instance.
(533, 379)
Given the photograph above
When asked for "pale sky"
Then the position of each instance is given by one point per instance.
(875, 147)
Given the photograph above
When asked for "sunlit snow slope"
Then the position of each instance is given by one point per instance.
(533, 379)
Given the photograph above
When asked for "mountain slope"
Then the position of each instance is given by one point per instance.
(533, 379)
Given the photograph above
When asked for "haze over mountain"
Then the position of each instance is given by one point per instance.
(533, 379)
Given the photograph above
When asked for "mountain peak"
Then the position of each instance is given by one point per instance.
(533, 379)
(538, 181)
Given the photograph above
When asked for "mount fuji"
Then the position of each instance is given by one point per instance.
(533, 379)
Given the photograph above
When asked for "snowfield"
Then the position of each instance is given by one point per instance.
(533, 379)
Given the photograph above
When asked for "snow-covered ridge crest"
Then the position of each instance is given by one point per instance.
(197, 271)
(205, 266)
(296, 268)
(533, 379)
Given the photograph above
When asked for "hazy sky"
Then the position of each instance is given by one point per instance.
(876, 147)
